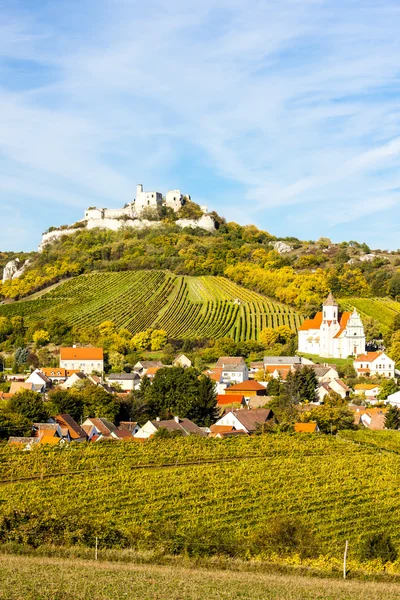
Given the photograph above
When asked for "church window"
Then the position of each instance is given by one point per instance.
(324, 314)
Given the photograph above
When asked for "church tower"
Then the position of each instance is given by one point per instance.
(330, 309)
(355, 335)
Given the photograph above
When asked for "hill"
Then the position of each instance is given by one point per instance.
(382, 310)
(210, 497)
(185, 307)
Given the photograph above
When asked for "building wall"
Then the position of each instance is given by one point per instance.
(85, 366)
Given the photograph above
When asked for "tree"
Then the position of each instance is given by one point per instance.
(99, 403)
(204, 408)
(58, 330)
(41, 337)
(394, 286)
(141, 341)
(268, 337)
(158, 339)
(392, 418)
(116, 361)
(387, 387)
(330, 419)
(13, 424)
(66, 402)
(21, 355)
(30, 405)
(301, 385)
(107, 328)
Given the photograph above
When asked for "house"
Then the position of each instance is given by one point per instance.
(280, 372)
(310, 427)
(374, 418)
(185, 426)
(98, 429)
(73, 379)
(332, 334)
(57, 374)
(40, 381)
(234, 369)
(127, 381)
(369, 390)
(142, 366)
(226, 400)
(247, 389)
(151, 372)
(336, 385)
(393, 399)
(19, 386)
(375, 363)
(283, 361)
(325, 373)
(216, 376)
(67, 424)
(222, 431)
(182, 361)
(85, 360)
(26, 442)
(246, 420)
(131, 426)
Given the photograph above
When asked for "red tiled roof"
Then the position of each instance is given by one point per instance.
(314, 323)
(228, 398)
(247, 386)
(343, 323)
(368, 357)
(81, 353)
(305, 427)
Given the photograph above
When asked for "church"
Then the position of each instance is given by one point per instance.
(332, 335)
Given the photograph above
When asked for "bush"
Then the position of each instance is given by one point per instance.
(285, 536)
(378, 545)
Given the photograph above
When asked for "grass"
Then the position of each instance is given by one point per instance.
(186, 307)
(330, 361)
(41, 578)
(382, 310)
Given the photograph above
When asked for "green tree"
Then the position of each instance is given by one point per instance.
(13, 424)
(41, 337)
(30, 405)
(330, 419)
(392, 418)
(204, 408)
(99, 403)
(158, 339)
(378, 545)
(387, 387)
(66, 402)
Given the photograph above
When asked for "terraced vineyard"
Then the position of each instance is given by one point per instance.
(185, 307)
(382, 310)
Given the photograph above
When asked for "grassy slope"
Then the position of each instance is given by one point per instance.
(34, 578)
(339, 489)
(184, 306)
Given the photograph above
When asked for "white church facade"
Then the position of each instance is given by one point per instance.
(332, 335)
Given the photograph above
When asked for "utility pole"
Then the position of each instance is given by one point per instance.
(345, 559)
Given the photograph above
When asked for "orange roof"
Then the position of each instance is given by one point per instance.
(17, 386)
(228, 398)
(152, 370)
(368, 357)
(214, 374)
(343, 323)
(366, 386)
(221, 428)
(81, 353)
(49, 437)
(314, 323)
(58, 372)
(305, 427)
(249, 385)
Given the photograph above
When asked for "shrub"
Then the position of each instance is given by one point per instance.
(378, 545)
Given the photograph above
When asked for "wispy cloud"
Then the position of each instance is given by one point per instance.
(276, 105)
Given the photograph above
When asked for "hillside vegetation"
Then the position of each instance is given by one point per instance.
(185, 307)
(212, 497)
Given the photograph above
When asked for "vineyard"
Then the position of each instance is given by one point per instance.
(186, 307)
(174, 493)
(382, 310)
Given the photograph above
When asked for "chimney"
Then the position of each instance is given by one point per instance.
(158, 419)
(176, 419)
(74, 345)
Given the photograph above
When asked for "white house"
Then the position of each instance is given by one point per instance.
(332, 334)
(72, 380)
(127, 381)
(246, 420)
(234, 369)
(393, 399)
(85, 360)
(369, 390)
(182, 361)
(39, 380)
(335, 385)
(184, 426)
(375, 363)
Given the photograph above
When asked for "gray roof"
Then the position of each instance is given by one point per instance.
(251, 418)
(185, 425)
(147, 364)
(330, 301)
(23, 440)
(122, 376)
(230, 361)
(282, 360)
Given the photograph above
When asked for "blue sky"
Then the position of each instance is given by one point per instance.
(282, 114)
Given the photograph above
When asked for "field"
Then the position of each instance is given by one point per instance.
(382, 310)
(201, 496)
(185, 307)
(34, 578)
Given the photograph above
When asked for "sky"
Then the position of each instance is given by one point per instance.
(284, 114)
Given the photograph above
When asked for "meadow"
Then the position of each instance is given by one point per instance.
(42, 578)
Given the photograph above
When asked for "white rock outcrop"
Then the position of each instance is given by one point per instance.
(52, 236)
(281, 247)
(14, 269)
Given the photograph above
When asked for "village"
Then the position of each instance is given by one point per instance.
(244, 392)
